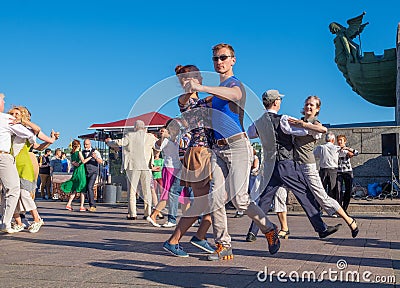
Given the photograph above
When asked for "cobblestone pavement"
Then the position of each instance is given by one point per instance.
(103, 249)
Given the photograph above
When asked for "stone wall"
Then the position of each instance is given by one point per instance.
(370, 166)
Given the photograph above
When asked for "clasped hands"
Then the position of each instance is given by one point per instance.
(192, 85)
(54, 135)
(296, 122)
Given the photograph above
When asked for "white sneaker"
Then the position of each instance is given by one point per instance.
(8, 230)
(152, 222)
(169, 225)
(18, 228)
(35, 226)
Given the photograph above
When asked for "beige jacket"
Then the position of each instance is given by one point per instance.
(137, 150)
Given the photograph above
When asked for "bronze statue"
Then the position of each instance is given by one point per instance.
(372, 77)
(345, 48)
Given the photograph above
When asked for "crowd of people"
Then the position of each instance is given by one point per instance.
(201, 160)
(21, 170)
(219, 164)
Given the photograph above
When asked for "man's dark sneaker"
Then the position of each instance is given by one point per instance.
(222, 253)
(330, 230)
(175, 249)
(273, 240)
(229, 205)
(251, 237)
(202, 244)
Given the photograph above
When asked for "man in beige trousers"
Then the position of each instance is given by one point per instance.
(233, 153)
(8, 171)
(137, 153)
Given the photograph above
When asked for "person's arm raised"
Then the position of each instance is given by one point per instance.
(317, 127)
(44, 145)
(226, 93)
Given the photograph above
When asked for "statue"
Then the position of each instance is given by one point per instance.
(372, 77)
(346, 50)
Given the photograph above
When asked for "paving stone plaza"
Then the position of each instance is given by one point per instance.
(103, 249)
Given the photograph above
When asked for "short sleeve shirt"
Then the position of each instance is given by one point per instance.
(226, 122)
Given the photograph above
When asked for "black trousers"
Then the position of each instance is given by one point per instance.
(345, 178)
(288, 173)
(329, 181)
(90, 180)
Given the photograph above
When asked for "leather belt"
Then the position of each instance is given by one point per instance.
(226, 141)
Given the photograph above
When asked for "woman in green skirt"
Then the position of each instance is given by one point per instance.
(77, 183)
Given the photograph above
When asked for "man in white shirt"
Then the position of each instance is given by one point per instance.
(92, 171)
(8, 171)
(328, 155)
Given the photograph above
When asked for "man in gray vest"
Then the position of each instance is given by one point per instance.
(92, 171)
(281, 169)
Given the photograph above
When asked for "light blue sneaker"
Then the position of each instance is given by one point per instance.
(175, 249)
(202, 244)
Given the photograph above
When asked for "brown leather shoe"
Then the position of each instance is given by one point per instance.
(92, 209)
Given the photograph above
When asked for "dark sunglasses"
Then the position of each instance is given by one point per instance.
(222, 57)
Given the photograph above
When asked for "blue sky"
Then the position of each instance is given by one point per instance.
(75, 63)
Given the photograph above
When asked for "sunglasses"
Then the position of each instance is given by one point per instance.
(222, 57)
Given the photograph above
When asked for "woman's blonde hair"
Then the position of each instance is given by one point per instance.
(25, 114)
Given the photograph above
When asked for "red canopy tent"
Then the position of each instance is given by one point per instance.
(91, 136)
(151, 120)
